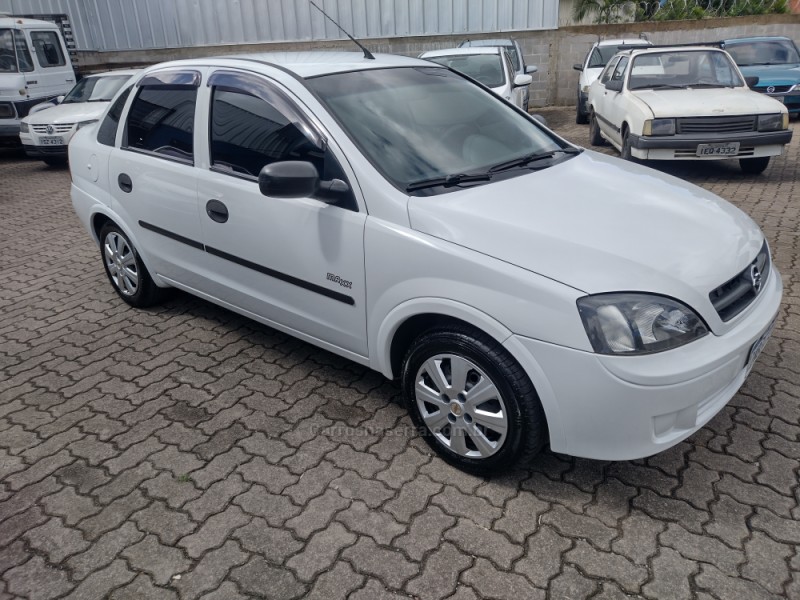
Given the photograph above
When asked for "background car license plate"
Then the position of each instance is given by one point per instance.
(727, 149)
(758, 346)
(51, 141)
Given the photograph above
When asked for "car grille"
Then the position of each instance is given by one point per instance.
(776, 89)
(7, 110)
(736, 124)
(60, 128)
(733, 296)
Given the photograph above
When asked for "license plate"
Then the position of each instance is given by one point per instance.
(51, 141)
(728, 149)
(758, 346)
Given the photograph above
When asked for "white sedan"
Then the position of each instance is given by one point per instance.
(46, 132)
(490, 65)
(394, 212)
(685, 103)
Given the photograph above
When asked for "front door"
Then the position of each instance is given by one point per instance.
(297, 263)
(53, 75)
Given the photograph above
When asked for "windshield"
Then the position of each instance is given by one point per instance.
(683, 69)
(486, 68)
(95, 89)
(14, 54)
(767, 52)
(602, 54)
(421, 123)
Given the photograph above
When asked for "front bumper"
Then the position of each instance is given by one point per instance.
(684, 146)
(45, 151)
(9, 134)
(629, 407)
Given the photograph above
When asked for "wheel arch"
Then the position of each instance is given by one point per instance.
(410, 319)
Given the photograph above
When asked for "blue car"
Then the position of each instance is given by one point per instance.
(776, 63)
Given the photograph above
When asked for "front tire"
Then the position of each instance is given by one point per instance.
(595, 139)
(581, 117)
(125, 269)
(754, 166)
(473, 403)
(627, 153)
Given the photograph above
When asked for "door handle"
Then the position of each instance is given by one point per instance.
(125, 183)
(217, 211)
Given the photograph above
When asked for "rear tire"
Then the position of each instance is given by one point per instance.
(754, 166)
(595, 138)
(473, 403)
(125, 269)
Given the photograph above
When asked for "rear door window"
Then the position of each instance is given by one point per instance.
(161, 118)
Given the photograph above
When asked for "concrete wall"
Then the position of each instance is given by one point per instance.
(554, 52)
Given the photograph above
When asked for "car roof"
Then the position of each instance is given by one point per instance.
(462, 51)
(117, 72)
(624, 42)
(760, 38)
(303, 64)
(660, 49)
(494, 42)
(20, 23)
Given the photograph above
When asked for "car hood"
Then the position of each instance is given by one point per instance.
(600, 224)
(590, 74)
(773, 74)
(68, 113)
(711, 102)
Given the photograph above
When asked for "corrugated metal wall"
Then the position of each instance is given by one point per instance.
(146, 24)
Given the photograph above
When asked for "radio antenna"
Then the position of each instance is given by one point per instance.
(367, 53)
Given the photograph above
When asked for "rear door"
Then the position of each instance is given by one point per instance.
(152, 175)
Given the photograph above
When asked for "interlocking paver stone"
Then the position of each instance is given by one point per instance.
(130, 438)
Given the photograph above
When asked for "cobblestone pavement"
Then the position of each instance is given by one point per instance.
(188, 452)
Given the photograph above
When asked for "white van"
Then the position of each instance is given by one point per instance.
(34, 67)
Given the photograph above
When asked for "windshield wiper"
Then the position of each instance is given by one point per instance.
(447, 180)
(529, 158)
(657, 86)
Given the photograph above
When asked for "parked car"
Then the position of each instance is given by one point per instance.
(596, 59)
(25, 82)
(775, 61)
(491, 66)
(685, 103)
(393, 212)
(514, 50)
(46, 133)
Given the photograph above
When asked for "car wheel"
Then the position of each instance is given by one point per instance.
(55, 161)
(754, 166)
(473, 403)
(125, 268)
(595, 139)
(626, 152)
(581, 118)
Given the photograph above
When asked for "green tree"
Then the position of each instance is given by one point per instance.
(605, 11)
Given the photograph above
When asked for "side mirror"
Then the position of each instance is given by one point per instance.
(751, 82)
(578, 67)
(522, 80)
(531, 69)
(615, 85)
(289, 179)
(59, 99)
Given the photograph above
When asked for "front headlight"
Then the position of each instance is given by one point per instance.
(773, 122)
(638, 323)
(85, 123)
(24, 127)
(659, 127)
